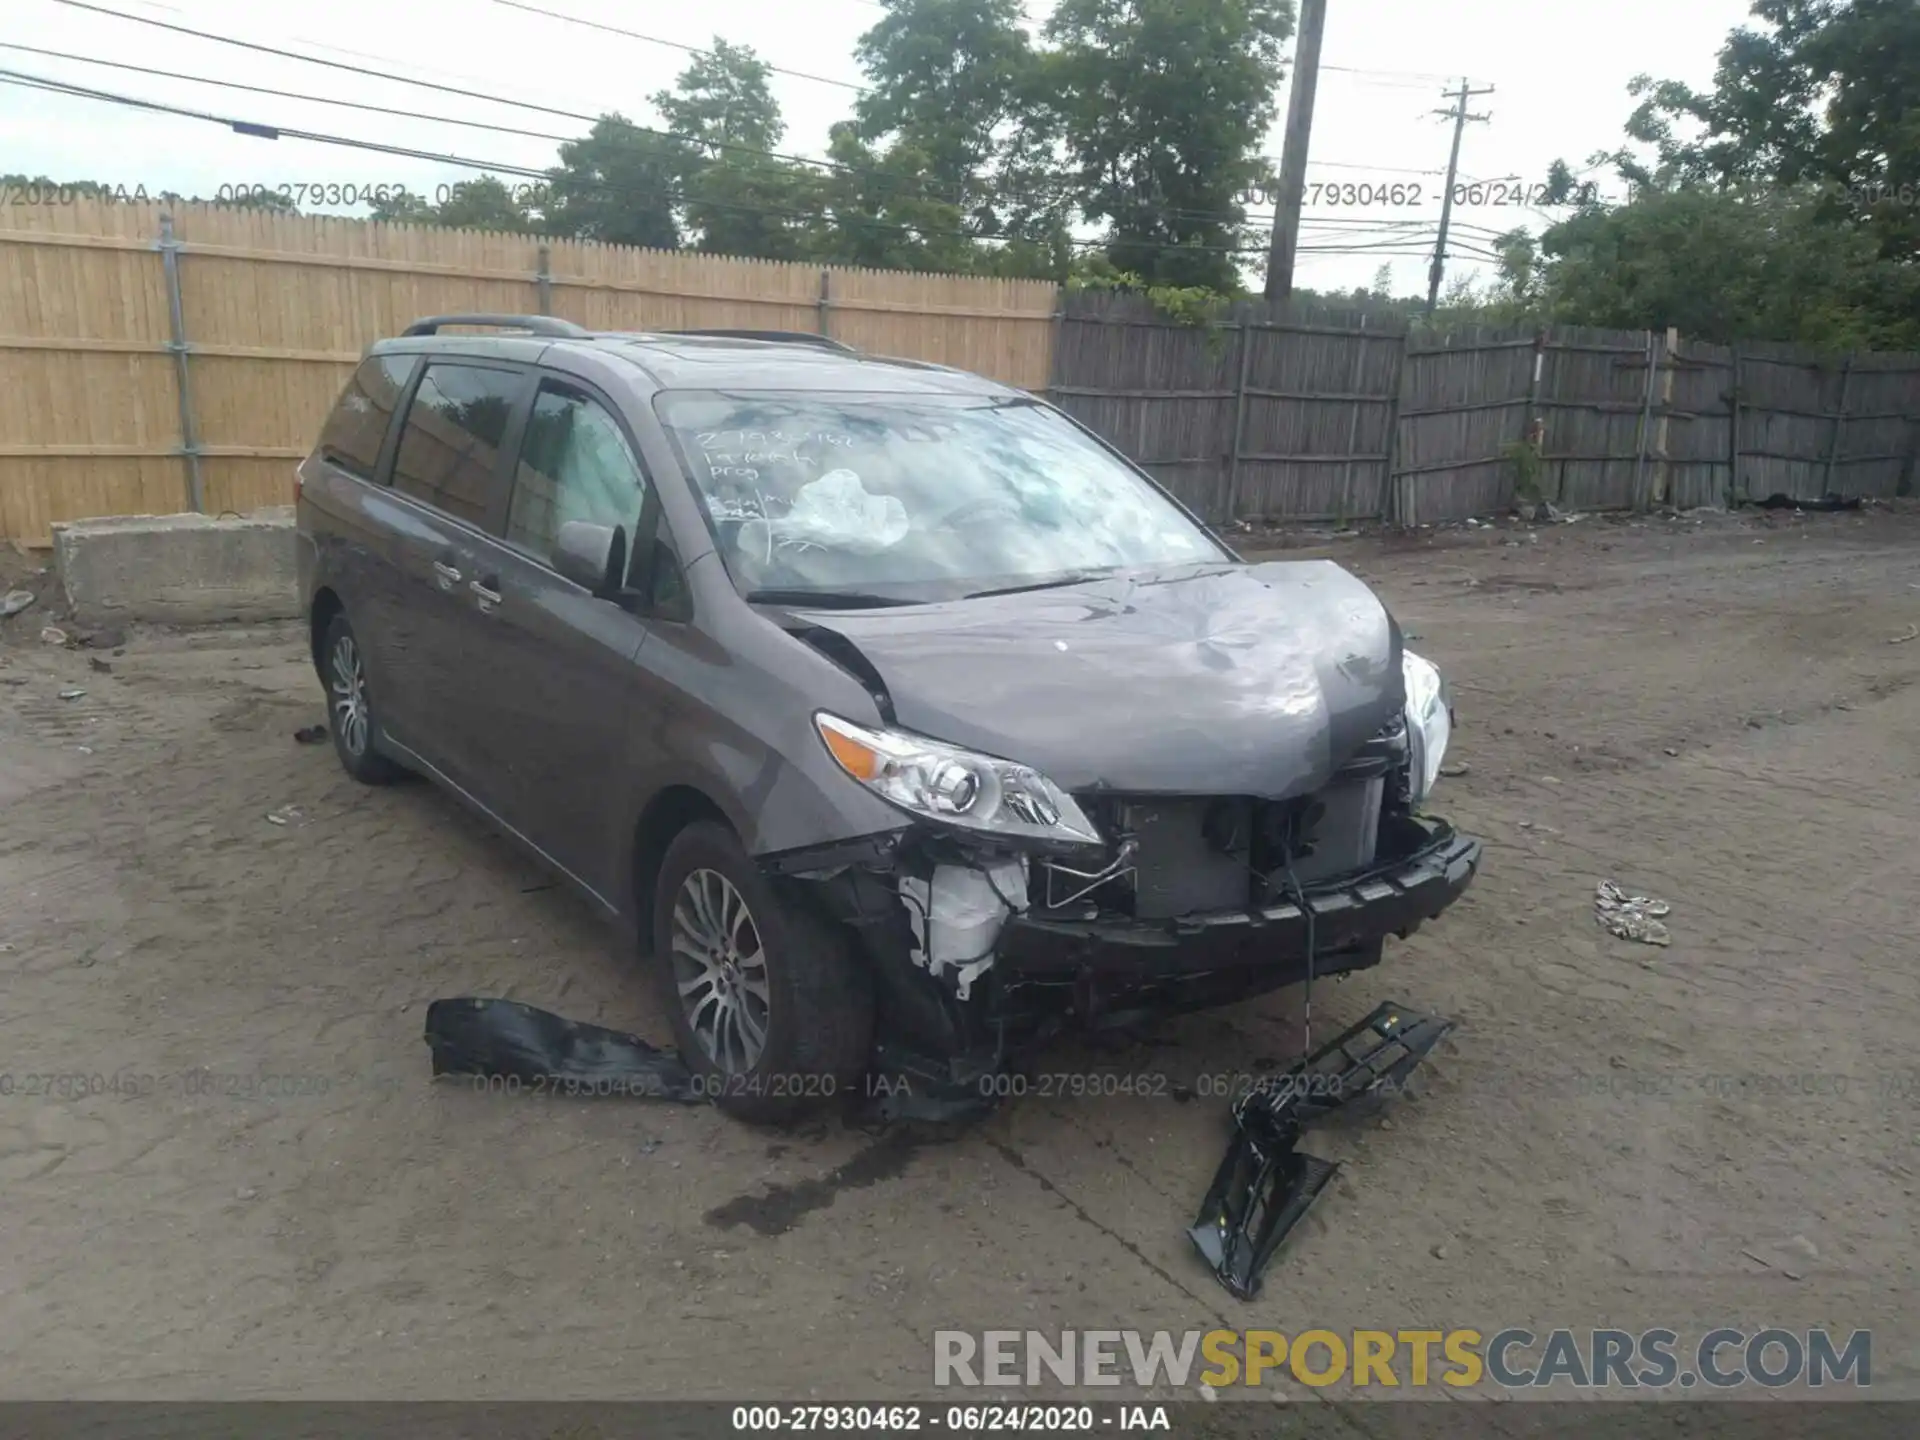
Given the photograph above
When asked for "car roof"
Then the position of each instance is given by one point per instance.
(719, 360)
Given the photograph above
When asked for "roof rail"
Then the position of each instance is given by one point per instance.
(537, 324)
(780, 337)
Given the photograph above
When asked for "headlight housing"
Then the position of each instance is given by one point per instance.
(1429, 721)
(945, 783)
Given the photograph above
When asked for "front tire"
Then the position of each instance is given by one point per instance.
(771, 1009)
(351, 720)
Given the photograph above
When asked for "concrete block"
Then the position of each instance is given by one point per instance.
(179, 569)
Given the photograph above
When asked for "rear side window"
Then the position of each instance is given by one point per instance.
(354, 431)
(450, 448)
(575, 464)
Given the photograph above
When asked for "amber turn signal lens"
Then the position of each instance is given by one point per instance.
(860, 761)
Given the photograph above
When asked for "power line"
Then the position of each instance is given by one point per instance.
(464, 93)
(317, 60)
(1424, 77)
(1053, 196)
(1374, 169)
(272, 132)
(287, 94)
(497, 99)
(253, 128)
(671, 44)
(1369, 82)
(1060, 191)
(278, 132)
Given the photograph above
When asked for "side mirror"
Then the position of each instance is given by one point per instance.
(593, 556)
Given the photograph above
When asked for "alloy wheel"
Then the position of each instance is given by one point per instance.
(349, 687)
(720, 970)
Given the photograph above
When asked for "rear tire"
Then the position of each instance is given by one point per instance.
(772, 1010)
(351, 718)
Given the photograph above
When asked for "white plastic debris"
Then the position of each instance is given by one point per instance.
(53, 635)
(1630, 917)
(285, 815)
(14, 602)
(957, 916)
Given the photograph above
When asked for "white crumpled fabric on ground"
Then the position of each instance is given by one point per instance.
(1631, 917)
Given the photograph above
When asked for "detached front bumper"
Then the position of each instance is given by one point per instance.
(1248, 951)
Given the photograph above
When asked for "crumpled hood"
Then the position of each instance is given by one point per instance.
(1250, 680)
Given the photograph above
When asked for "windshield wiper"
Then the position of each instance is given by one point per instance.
(825, 599)
(1078, 577)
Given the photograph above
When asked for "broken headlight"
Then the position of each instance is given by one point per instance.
(942, 782)
(1429, 721)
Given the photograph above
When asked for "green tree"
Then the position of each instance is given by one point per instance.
(947, 76)
(723, 96)
(734, 197)
(1162, 105)
(882, 209)
(488, 203)
(618, 186)
(955, 88)
(747, 205)
(1827, 97)
(1725, 264)
(1783, 203)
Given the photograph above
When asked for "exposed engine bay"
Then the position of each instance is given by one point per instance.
(981, 952)
(1179, 856)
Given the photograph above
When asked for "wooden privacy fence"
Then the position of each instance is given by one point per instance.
(151, 363)
(1330, 416)
(156, 362)
(1250, 417)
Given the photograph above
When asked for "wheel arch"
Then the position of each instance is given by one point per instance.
(326, 604)
(665, 816)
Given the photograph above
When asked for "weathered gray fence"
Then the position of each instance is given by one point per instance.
(1463, 404)
(1246, 418)
(1337, 416)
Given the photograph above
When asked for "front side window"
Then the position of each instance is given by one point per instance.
(574, 465)
(450, 449)
(910, 497)
(358, 425)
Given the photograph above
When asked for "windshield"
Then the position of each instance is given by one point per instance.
(913, 497)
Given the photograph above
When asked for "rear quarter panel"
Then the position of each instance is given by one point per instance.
(344, 546)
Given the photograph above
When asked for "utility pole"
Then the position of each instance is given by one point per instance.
(1458, 114)
(1293, 159)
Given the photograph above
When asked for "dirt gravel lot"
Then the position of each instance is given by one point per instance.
(1723, 1132)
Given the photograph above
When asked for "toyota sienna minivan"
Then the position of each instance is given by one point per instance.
(896, 719)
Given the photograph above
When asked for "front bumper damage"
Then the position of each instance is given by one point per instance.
(1214, 958)
(974, 968)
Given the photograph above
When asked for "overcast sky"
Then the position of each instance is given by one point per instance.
(1559, 69)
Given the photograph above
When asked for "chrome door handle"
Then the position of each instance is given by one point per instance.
(488, 597)
(449, 577)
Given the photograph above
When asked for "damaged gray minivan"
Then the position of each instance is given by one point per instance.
(897, 717)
